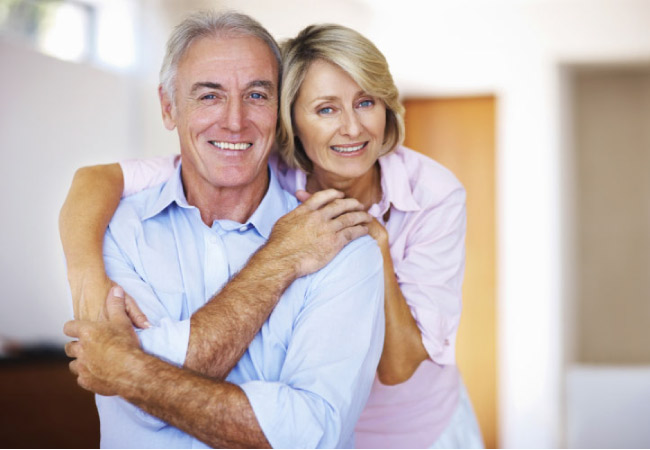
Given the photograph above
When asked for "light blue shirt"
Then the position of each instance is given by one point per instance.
(308, 371)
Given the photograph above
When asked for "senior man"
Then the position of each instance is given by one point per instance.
(268, 361)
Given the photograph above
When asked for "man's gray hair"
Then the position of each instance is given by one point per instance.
(210, 23)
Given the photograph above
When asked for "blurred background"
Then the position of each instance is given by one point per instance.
(541, 108)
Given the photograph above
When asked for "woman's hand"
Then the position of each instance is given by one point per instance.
(89, 295)
(377, 231)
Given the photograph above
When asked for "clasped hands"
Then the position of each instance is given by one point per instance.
(103, 348)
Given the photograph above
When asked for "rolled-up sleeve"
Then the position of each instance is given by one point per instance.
(167, 338)
(430, 274)
(332, 356)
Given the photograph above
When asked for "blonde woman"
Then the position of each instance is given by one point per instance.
(341, 126)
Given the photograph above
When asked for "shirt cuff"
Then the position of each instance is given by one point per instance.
(285, 416)
(168, 340)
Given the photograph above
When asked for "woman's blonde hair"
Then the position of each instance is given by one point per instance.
(359, 58)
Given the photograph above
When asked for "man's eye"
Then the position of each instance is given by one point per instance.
(208, 97)
(257, 96)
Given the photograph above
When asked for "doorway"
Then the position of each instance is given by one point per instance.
(459, 133)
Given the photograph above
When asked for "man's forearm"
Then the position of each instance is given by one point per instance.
(215, 412)
(222, 330)
(302, 242)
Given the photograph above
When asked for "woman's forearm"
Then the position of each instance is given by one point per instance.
(403, 348)
(93, 198)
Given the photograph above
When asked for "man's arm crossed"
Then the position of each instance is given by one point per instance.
(332, 355)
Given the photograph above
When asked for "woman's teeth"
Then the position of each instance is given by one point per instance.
(231, 146)
(348, 149)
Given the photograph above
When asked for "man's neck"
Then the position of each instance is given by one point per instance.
(226, 203)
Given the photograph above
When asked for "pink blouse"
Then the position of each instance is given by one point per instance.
(426, 232)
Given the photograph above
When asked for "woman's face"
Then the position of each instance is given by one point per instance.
(339, 125)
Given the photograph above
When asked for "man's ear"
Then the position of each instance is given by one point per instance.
(167, 108)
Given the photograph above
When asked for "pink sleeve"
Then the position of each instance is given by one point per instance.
(431, 272)
(140, 174)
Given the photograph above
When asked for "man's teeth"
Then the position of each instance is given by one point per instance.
(231, 146)
(348, 149)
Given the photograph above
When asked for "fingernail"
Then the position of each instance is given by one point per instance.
(147, 325)
(118, 292)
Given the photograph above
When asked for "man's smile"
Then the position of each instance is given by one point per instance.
(231, 145)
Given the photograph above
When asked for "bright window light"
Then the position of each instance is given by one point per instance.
(100, 32)
(65, 32)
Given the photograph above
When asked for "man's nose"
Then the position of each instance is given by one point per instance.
(350, 125)
(234, 119)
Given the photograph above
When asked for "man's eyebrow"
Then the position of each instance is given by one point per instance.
(266, 84)
(206, 84)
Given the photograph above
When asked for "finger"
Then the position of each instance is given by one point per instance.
(116, 307)
(73, 366)
(72, 328)
(71, 349)
(302, 195)
(321, 198)
(351, 219)
(351, 233)
(340, 206)
(136, 315)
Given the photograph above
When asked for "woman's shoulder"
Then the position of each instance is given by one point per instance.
(429, 181)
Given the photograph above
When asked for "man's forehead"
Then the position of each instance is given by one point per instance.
(242, 56)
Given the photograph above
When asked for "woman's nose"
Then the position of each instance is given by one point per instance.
(350, 125)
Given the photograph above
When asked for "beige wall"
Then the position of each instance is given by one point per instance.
(612, 136)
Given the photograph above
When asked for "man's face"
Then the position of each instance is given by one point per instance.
(225, 111)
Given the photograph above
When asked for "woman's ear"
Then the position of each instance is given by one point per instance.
(167, 108)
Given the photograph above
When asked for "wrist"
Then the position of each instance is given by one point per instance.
(282, 264)
(132, 366)
(89, 290)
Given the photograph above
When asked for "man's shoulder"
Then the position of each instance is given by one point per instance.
(139, 206)
(359, 260)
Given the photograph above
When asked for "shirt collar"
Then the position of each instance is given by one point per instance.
(273, 205)
(171, 191)
(396, 184)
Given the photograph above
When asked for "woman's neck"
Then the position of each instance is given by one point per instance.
(366, 188)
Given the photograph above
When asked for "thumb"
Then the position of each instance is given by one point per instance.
(302, 195)
(116, 307)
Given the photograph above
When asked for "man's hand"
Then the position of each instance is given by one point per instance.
(313, 233)
(104, 348)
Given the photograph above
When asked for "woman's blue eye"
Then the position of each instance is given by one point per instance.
(366, 103)
(326, 110)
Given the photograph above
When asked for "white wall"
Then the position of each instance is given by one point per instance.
(512, 48)
(54, 117)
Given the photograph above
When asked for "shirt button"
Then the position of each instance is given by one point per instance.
(243, 228)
